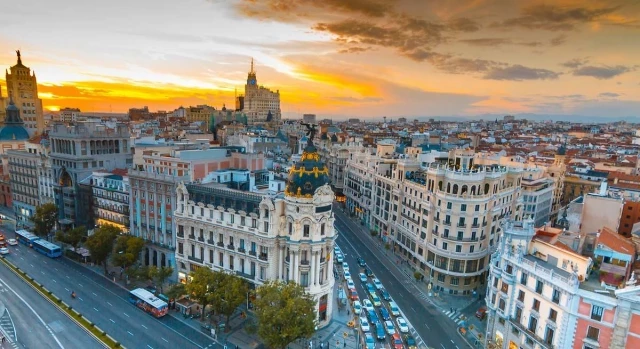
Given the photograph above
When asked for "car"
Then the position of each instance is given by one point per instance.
(339, 257)
(347, 275)
(13, 242)
(353, 294)
(368, 272)
(361, 262)
(350, 284)
(363, 277)
(411, 342)
(364, 324)
(368, 305)
(4, 250)
(380, 334)
(385, 295)
(384, 313)
(481, 313)
(336, 249)
(370, 287)
(369, 341)
(375, 300)
(378, 284)
(397, 341)
(345, 266)
(393, 307)
(403, 327)
(357, 307)
(388, 325)
(373, 317)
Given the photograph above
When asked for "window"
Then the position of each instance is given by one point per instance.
(556, 296)
(242, 219)
(509, 269)
(548, 335)
(495, 281)
(502, 304)
(521, 296)
(444, 245)
(533, 324)
(180, 248)
(290, 228)
(518, 314)
(553, 315)
(221, 260)
(593, 333)
(536, 305)
(477, 208)
(231, 262)
(455, 281)
(211, 256)
(505, 287)
(463, 207)
(471, 248)
(596, 313)
(449, 205)
(458, 248)
(233, 216)
(266, 227)
(441, 277)
(306, 230)
(523, 278)
(322, 229)
(539, 287)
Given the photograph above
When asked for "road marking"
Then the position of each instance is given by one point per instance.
(21, 258)
(31, 265)
(442, 346)
(112, 321)
(54, 281)
(67, 276)
(165, 340)
(130, 333)
(94, 294)
(149, 346)
(80, 285)
(66, 289)
(145, 327)
(453, 341)
(96, 309)
(126, 315)
(45, 262)
(56, 269)
(81, 299)
(42, 272)
(111, 305)
(34, 312)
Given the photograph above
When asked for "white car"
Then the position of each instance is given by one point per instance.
(368, 305)
(363, 277)
(402, 325)
(377, 283)
(12, 242)
(4, 250)
(350, 284)
(395, 311)
(339, 257)
(347, 275)
(357, 307)
(345, 266)
(391, 330)
(364, 324)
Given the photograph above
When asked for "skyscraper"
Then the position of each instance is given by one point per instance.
(260, 103)
(22, 86)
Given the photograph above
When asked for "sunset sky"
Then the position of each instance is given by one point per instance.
(335, 58)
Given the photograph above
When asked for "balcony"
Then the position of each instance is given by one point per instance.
(192, 237)
(231, 247)
(304, 262)
(475, 225)
(263, 256)
(242, 250)
(211, 242)
(200, 238)
(220, 244)
(252, 253)
(447, 223)
(462, 225)
(531, 334)
(246, 276)
(180, 234)
(194, 259)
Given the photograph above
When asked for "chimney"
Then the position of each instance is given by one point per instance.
(603, 188)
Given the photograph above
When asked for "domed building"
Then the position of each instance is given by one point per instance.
(13, 133)
(308, 174)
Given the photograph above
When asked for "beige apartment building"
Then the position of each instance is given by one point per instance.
(22, 86)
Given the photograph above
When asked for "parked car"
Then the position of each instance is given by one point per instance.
(385, 295)
(13, 242)
(4, 250)
(364, 324)
(361, 262)
(339, 257)
(363, 277)
(353, 294)
(403, 327)
(384, 313)
(369, 341)
(368, 272)
(347, 275)
(350, 284)
(481, 313)
(380, 334)
(345, 266)
(411, 342)
(397, 341)
(395, 311)
(378, 284)
(368, 305)
(357, 307)
(388, 325)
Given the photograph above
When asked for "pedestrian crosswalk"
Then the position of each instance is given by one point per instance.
(454, 315)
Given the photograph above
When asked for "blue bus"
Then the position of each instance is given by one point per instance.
(47, 248)
(26, 237)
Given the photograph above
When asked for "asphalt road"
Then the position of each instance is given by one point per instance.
(106, 304)
(433, 327)
(37, 323)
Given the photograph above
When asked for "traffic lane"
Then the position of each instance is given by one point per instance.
(50, 328)
(399, 286)
(111, 312)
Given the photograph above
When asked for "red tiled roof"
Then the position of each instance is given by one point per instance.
(120, 171)
(616, 242)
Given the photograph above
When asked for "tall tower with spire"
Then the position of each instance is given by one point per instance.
(259, 102)
(22, 86)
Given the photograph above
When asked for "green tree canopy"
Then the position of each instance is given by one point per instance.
(229, 292)
(127, 250)
(199, 287)
(45, 219)
(160, 275)
(100, 244)
(72, 237)
(176, 291)
(285, 313)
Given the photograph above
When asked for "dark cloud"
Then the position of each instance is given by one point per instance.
(458, 65)
(609, 94)
(294, 9)
(558, 40)
(354, 49)
(554, 18)
(487, 41)
(463, 25)
(602, 72)
(575, 63)
(571, 97)
(518, 72)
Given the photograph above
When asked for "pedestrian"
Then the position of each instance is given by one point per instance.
(348, 312)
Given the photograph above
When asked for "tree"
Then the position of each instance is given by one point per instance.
(127, 250)
(228, 294)
(73, 237)
(100, 244)
(45, 219)
(200, 286)
(417, 275)
(160, 275)
(175, 291)
(285, 313)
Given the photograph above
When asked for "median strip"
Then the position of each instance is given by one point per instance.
(100, 335)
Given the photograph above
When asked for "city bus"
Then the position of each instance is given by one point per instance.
(146, 301)
(26, 237)
(47, 248)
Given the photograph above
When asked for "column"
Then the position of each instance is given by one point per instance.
(296, 262)
(317, 279)
(290, 265)
(280, 262)
(312, 269)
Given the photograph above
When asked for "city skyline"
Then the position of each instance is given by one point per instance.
(355, 58)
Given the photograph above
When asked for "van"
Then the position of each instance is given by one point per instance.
(395, 311)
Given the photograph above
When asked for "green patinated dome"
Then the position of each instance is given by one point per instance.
(307, 175)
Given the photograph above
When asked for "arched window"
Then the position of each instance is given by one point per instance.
(440, 185)
(473, 190)
(448, 188)
(486, 189)
(464, 189)
(455, 189)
